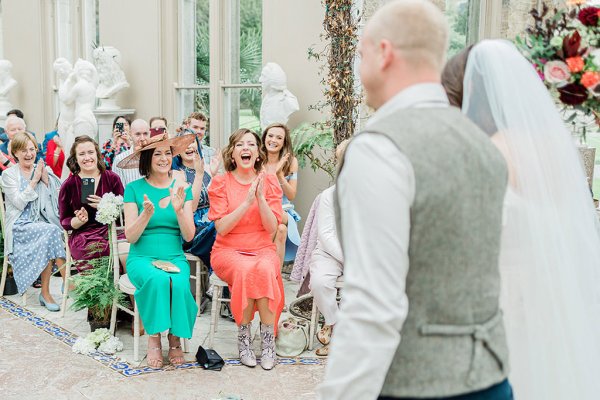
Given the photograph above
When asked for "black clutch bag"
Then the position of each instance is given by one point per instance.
(209, 359)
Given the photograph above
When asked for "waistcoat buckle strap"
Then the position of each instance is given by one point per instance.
(481, 337)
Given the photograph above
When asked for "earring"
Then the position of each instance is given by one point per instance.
(257, 158)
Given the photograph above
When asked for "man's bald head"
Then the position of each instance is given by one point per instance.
(139, 130)
(416, 28)
(13, 125)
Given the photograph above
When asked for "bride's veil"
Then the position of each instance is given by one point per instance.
(551, 246)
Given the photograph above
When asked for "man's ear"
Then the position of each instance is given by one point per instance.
(386, 54)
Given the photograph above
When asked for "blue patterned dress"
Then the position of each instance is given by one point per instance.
(293, 236)
(34, 244)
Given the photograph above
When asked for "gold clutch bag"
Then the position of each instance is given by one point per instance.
(166, 266)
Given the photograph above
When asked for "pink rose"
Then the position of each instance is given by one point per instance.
(556, 72)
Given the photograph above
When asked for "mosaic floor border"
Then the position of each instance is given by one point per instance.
(112, 361)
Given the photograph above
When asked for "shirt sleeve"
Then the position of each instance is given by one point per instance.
(326, 228)
(117, 185)
(10, 187)
(217, 196)
(65, 208)
(273, 195)
(376, 190)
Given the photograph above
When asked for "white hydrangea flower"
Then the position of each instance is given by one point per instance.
(98, 337)
(109, 208)
(83, 346)
(111, 346)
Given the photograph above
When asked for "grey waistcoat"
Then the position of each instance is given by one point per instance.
(452, 341)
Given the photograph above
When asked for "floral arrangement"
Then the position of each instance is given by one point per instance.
(564, 47)
(109, 208)
(100, 340)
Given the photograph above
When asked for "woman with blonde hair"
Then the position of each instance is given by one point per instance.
(245, 204)
(277, 144)
(33, 238)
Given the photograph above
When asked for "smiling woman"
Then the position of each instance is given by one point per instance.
(77, 214)
(33, 237)
(245, 205)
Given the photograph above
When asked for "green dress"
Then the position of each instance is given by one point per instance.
(161, 240)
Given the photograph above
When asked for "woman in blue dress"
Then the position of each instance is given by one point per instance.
(192, 165)
(33, 237)
(277, 143)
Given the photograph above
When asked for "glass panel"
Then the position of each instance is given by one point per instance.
(202, 43)
(457, 12)
(241, 109)
(246, 37)
(191, 100)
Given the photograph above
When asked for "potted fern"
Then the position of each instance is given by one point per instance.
(94, 287)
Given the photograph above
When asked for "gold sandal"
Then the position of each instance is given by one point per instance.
(175, 360)
(324, 335)
(322, 351)
(156, 363)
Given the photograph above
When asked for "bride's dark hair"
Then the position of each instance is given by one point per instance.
(453, 76)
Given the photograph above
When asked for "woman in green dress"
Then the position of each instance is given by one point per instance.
(158, 214)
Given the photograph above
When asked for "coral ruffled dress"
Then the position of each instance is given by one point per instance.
(248, 276)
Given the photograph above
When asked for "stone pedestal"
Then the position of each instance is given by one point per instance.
(105, 119)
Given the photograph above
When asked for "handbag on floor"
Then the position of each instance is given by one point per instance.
(209, 359)
(292, 337)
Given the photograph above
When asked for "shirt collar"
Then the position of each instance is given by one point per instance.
(422, 95)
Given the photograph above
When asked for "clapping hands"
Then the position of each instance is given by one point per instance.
(281, 164)
(256, 190)
(148, 206)
(177, 198)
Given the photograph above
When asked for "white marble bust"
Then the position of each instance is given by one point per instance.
(111, 77)
(278, 102)
(7, 83)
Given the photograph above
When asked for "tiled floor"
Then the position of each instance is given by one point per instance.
(35, 365)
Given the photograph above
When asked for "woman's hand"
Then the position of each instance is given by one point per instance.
(93, 201)
(215, 163)
(148, 206)
(281, 164)
(37, 173)
(260, 188)
(177, 198)
(44, 177)
(198, 164)
(252, 192)
(82, 215)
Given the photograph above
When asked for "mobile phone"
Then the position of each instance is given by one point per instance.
(120, 126)
(156, 131)
(87, 189)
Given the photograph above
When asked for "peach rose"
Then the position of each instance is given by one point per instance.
(590, 79)
(575, 64)
(556, 72)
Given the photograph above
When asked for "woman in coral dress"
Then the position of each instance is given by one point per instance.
(245, 205)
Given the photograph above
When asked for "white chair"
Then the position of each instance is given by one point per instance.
(5, 256)
(67, 267)
(201, 271)
(312, 330)
(217, 299)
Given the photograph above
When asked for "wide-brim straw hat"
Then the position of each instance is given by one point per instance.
(178, 145)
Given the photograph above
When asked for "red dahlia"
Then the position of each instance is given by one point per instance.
(589, 16)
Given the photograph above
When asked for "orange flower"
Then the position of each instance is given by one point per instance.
(575, 64)
(590, 79)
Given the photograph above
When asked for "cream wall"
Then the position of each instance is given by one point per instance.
(290, 27)
(145, 32)
(28, 43)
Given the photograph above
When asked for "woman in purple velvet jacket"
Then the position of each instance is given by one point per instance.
(85, 161)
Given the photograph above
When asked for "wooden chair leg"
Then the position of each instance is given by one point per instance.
(4, 274)
(65, 294)
(213, 316)
(25, 298)
(113, 318)
(198, 290)
(312, 329)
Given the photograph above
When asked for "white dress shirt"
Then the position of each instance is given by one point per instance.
(376, 191)
(127, 175)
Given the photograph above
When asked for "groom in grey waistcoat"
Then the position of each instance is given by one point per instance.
(419, 201)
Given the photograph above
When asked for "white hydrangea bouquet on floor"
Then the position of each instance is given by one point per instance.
(100, 340)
